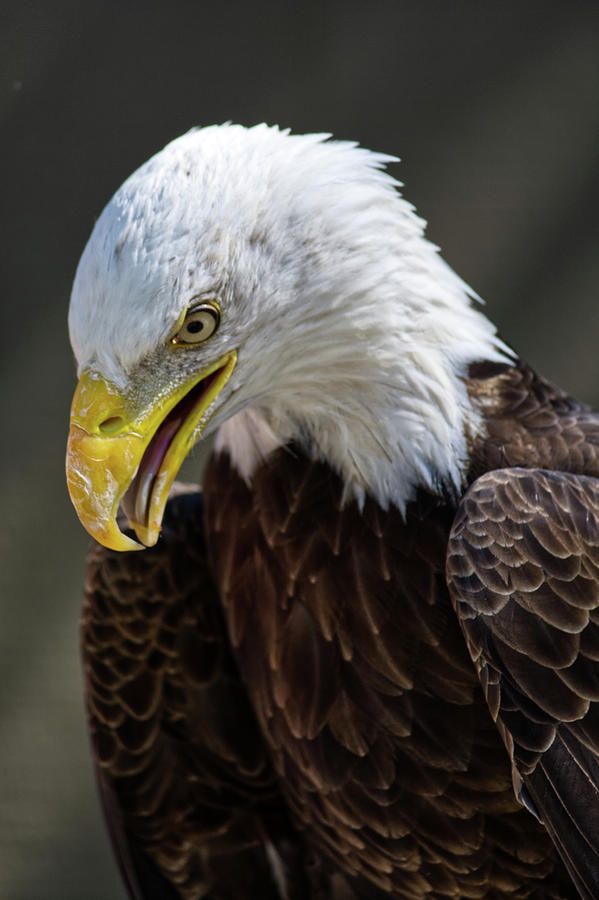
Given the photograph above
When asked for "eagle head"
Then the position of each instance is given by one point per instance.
(251, 269)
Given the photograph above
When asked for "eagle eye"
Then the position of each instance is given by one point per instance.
(199, 324)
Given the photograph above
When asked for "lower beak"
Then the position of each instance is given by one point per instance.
(114, 457)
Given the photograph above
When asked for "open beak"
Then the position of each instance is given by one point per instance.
(114, 457)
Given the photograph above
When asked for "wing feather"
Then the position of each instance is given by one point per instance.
(187, 789)
(522, 567)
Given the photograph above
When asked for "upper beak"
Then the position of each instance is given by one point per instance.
(111, 450)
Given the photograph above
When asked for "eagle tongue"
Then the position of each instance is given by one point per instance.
(136, 501)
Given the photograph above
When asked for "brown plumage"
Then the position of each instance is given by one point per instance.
(287, 701)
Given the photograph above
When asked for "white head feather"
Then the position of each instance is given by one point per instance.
(353, 335)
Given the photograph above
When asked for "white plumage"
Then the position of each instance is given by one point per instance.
(353, 336)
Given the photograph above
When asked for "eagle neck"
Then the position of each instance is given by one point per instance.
(396, 419)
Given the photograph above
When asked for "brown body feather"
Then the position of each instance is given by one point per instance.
(366, 758)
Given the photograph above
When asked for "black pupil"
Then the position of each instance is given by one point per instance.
(195, 326)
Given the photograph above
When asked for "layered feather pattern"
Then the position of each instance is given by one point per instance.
(363, 688)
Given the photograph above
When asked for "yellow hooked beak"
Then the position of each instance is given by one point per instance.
(114, 456)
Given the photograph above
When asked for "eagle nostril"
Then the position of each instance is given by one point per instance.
(111, 426)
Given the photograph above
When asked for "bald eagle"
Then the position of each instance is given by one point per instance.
(363, 662)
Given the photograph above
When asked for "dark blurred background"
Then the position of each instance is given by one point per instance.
(494, 109)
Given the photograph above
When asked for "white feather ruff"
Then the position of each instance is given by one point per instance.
(353, 335)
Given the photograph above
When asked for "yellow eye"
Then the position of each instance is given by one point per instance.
(199, 324)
